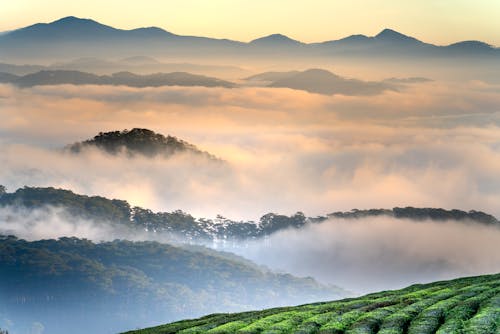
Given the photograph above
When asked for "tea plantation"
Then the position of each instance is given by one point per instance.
(466, 305)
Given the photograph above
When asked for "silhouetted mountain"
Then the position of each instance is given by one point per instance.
(387, 43)
(60, 77)
(79, 29)
(353, 39)
(272, 76)
(83, 64)
(275, 40)
(20, 69)
(134, 64)
(7, 77)
(411, 80)
(471, 47)
(392, 36)
(138, 141)
(75, 37)
(324, 82)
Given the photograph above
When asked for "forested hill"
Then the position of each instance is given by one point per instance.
(183, 225)
(467, 305)
(113, 286)
(138, 141)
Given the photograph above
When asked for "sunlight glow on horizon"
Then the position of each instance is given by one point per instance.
(434, 21)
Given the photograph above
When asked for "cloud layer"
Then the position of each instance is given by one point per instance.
(374, 254)
(433, 144)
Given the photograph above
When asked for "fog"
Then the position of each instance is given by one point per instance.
(360, 255)
(53, 223)
(373, 254)
(432, 144)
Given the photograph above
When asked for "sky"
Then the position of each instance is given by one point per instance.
(435, 21)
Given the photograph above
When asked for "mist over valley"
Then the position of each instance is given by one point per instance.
(149, 176)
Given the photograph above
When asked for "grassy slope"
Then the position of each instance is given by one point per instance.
(466, 305)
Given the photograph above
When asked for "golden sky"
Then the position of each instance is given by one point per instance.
(435, 21)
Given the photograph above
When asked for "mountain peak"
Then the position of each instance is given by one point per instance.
(319, 72)
(68, 19)
(390, 33)
(73, 20)
(274, 39)
(471, 46)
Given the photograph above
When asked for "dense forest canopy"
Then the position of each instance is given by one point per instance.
(123, 284)
(138, 141)
(181, 224)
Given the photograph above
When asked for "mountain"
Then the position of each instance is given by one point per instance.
(275, 40)
(138, 141)
(134, 64)
(407, 81)
(181, 226)
(73, 37)
(7, 77)
(392, 36)
(466, 305)
(19, 70)
(272, 76)
(73, 285)
(78, 29)
(387, 43)
(61, 77)
(324, 82)
(470, 48)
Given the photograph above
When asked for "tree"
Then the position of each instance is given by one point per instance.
(3, 191)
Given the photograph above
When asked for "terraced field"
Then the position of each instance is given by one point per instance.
(466, 305)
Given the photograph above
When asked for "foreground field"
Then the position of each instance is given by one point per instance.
(466, 305)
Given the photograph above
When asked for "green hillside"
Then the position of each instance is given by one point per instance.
(466, 305)
(76, 286)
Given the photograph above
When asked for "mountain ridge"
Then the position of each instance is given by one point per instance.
(121, 284)
(72, 21)
(49, 39)
(181, 225)
(124, 78)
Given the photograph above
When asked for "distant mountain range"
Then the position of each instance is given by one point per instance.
(59, 77)
(317, 81)
(324, 82)
(76, 37)
(135, 64)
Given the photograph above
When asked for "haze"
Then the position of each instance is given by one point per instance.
(396, 118)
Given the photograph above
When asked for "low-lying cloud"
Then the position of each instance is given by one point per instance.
(372, 254)
(54, 222)
(432, 145)
(361, 255)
